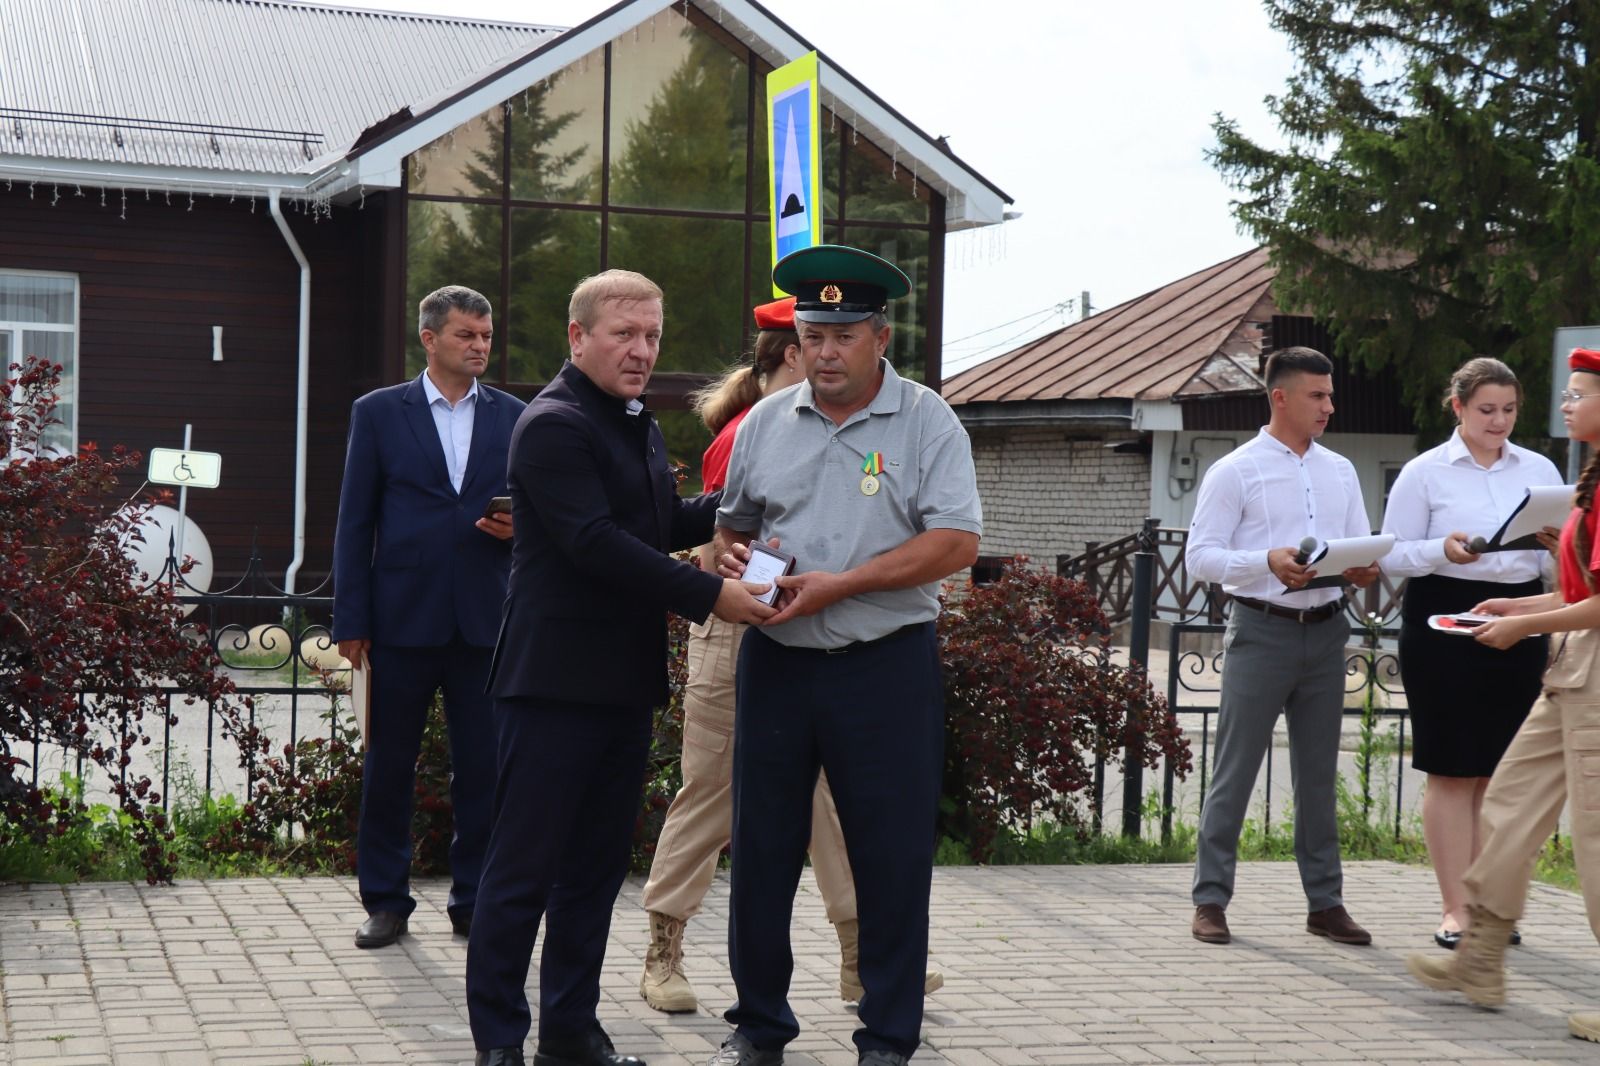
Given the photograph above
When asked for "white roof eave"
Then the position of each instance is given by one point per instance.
(969, 202)
(21, 169)
(382, 166)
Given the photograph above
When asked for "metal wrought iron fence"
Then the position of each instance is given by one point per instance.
(1107, 568)
(1372, 672)
(273, 643)
(270, 642)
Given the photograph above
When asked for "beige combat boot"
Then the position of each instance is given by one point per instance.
(1585, 1025)
(1478, 966)
(850, 989)
(663, 985)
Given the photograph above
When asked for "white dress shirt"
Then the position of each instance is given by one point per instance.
(1443, 491)
(1262, 496)
(454, 423)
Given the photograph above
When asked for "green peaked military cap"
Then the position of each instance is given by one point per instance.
(835, 283)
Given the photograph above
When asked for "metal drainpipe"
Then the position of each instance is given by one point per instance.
(302, 391)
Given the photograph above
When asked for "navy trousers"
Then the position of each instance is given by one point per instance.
(566, 800)
(873, 718)
(404, 681)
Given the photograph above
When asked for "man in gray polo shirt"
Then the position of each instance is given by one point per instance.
(867, 479)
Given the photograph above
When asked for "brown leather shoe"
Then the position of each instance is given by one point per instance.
(1336, 924)
(1210, 924)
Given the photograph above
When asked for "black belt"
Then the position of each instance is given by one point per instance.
(1304, 616)
(860, 645)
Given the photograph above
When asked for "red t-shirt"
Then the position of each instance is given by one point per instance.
(1574, 589)
(714, 466)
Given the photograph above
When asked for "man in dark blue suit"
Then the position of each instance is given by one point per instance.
(581, 662)
(419, 570)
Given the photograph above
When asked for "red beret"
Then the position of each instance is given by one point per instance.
(779, 314)
(1584, 359)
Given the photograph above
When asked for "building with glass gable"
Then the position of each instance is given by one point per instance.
(299, 175)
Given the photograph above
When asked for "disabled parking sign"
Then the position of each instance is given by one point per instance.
(794, 157)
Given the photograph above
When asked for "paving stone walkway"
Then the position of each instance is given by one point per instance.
(1044, 965)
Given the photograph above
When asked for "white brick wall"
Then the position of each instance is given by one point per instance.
(1045, 493)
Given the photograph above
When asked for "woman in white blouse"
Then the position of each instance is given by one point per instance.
(1465, 699)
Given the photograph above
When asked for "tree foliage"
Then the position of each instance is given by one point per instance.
(1438, 195)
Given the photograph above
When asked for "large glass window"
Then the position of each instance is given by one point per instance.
(549, 250)
(465, 161)
(648, 154)
(879, 188)
(39, 320)
(556, 135)
(449, 244)
(680, 124)
(698, 263)
(908, 250)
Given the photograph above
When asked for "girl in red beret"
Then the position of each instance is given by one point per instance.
(1556, 752)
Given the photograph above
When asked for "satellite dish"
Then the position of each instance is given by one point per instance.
(158, 539)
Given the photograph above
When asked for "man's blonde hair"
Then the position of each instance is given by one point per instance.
(593, 291)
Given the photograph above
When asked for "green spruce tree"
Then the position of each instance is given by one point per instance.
(1438, 194)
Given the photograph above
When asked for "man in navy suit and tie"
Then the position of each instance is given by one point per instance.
(581, 663)
(419, 570)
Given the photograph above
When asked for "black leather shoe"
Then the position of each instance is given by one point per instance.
(738, 1051)
(1449, 940)
(500, 1056)
(882, 1058)
(381, 929)
(461, 924)
(597, 1051)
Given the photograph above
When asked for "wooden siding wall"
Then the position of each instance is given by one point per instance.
(1363, 402)
(151, 286)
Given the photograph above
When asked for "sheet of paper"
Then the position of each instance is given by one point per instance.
(1336, 556)
(764, 569)
(361, 699)
(1544, 505)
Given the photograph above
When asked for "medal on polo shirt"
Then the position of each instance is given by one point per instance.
(871, 466)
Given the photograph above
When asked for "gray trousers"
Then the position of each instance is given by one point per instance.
(1276, 665)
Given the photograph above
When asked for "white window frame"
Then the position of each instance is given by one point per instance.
(16, 329)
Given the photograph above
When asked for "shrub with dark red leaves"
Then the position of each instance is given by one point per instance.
(1032, 697)
(305, 802)
(77, 618)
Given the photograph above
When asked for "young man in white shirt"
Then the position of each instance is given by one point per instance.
(1285, 642)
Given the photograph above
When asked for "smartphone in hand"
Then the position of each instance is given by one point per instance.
(497, 505)
(766, 565)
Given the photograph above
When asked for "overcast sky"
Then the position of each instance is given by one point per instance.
(1092, 115)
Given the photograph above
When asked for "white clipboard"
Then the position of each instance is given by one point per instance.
(1540, 506)
(1333, 557)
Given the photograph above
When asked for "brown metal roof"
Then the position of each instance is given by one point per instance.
(1145, 349)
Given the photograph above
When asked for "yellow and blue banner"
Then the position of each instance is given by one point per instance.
(794, 157)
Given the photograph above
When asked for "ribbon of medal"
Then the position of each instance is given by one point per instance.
(871, 466)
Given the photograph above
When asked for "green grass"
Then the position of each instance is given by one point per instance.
(258, 667)
(99, 846)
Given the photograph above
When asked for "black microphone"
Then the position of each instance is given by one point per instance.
(1307, 546)
(1477, 545)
